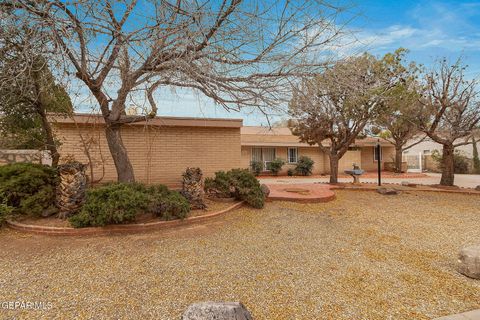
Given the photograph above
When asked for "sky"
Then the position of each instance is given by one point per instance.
(429, 29)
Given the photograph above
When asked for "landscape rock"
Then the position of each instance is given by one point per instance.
(388, 191)
(408, 184)
(265, 190)
(217, 311)
(469, 261)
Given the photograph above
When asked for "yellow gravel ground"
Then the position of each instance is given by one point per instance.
(362, 256)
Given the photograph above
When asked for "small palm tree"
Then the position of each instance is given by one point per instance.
(71, 189)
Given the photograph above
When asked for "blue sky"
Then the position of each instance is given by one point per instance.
(429, 29)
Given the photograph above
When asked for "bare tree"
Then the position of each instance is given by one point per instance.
(452, 101)
(335, 108)
(240, 54)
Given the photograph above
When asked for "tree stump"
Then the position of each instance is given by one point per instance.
(217, 311)
(71, 189)
(193, 188)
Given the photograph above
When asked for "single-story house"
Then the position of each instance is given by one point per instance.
(265, 144)
(161, 148)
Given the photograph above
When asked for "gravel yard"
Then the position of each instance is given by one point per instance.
(362, 256)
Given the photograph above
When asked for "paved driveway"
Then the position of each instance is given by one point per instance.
(461, 180)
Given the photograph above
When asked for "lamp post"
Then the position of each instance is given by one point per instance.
(379, 164)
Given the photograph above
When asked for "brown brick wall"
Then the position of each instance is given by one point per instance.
(158, 154)
(346, 162)
(367, 163)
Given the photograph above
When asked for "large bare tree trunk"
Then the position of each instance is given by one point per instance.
(398, 159)
(333, 168)
(119, 154)
(448, 167)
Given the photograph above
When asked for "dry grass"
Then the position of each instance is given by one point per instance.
(362, 256)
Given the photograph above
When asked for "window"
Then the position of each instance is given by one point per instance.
(264, 155)
(427, 152)
(292, 155)
(375, 153)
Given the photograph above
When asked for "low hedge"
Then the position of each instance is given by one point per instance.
(28, 188)
(118, 203)
(167, 204)
(238, 183)
(111, 204)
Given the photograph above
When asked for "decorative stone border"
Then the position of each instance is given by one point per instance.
(116, 229)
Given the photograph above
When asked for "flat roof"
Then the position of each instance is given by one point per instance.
(85, 118)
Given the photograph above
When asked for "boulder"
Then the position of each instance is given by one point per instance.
(217, 310)
(265, 190)
(387, 191)
(477, 188)
(469, 261)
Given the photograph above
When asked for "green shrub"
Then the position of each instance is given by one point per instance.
(117, 203)
(169, 205)
(113, 203)
(220, 185)
(290, 172)
(28, 188)
(304, 166)
(241, 184)
(257, 167)
(460, 161)
(5, 210)
(275, 166)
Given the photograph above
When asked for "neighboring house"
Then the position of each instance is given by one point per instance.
(161, 148)
(424, 150)
(427, 146)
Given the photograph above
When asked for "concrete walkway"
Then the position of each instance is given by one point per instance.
(461, 180)
(471, 315)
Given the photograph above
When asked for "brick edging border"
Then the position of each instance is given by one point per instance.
(116, 229)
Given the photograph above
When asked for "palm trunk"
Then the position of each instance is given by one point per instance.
(398, 159)
(119, 154)
(448, 166)
(333, 168)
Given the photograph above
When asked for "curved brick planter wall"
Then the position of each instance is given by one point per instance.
(116, 229)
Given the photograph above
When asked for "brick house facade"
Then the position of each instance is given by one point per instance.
(160, 149)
